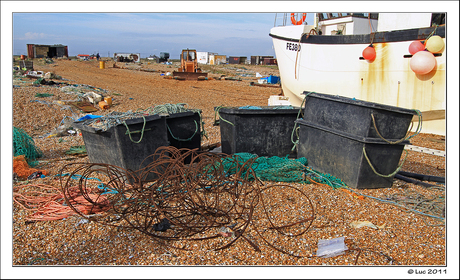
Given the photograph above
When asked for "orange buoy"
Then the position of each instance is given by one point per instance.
(298, 22)
(422, 62)
(369, 53)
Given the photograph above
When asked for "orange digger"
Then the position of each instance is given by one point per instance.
(189, 67)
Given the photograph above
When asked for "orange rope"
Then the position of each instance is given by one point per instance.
(22, 168)
(49, 206)
(343, 189)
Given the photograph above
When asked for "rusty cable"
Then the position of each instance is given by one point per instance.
(183, 195)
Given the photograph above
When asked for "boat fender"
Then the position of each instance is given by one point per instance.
(435, 44)
(422, 62)
(415, 47)
(369, 53)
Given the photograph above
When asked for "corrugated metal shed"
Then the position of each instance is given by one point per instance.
(269, 61)
(236, 59)
(259, 59)
(40, 51)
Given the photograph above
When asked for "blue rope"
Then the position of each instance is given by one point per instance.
(248, 107)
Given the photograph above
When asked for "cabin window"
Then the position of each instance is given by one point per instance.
(326, 16)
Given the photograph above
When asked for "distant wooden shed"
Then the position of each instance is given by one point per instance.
(236, 59)
(40, 51)
(259, 59)
(270, 61)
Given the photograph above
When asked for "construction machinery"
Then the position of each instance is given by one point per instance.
(164, 56)
(189, 67)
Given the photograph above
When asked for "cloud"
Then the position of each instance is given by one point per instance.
(34, 35)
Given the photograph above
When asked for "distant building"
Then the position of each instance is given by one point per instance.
(259, 60)
(83, 56)
(127, 57)
(41, 51)
(215, 59)
(204, 57)
(270, 61)
(237, 59)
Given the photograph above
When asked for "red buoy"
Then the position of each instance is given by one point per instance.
(415, 47)
(369, 53)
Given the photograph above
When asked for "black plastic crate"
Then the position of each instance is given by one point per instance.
(126, 150)
(265, 131)
(184, 130)
(342, 155)
(354, 116)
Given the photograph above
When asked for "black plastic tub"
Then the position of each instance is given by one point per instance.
(116, 147)
(265, 131)
(354, 116)
(184, 130)
(343, 156)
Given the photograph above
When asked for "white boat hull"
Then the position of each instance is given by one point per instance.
(339, 69)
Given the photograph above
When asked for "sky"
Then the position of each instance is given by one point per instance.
(231, 34)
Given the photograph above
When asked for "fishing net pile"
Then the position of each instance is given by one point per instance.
(23, 144)
(115, 118)
(281, 169)
(276, 169)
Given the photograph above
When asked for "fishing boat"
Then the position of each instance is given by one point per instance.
(367, 56)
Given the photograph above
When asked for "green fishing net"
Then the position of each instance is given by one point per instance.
(23, 144)
(274, 168)
(277, 169)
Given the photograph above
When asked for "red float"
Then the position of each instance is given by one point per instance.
(369, 53)
(415, 47)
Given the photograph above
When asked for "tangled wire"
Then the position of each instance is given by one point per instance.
(198, 201)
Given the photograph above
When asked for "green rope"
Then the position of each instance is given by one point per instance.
(381, 175)
(116, 118)
(76, 150)
(216, 112)
(295, 129)
(184, 140)
(203, 131)
(432, 32)
(43, 94)
(419, 125)
(324, 178)
(177, 108)
(129, 133)
(406, 137)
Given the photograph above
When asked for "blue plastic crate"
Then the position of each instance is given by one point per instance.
(273, 79)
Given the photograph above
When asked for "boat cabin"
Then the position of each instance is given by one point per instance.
(365, 23)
